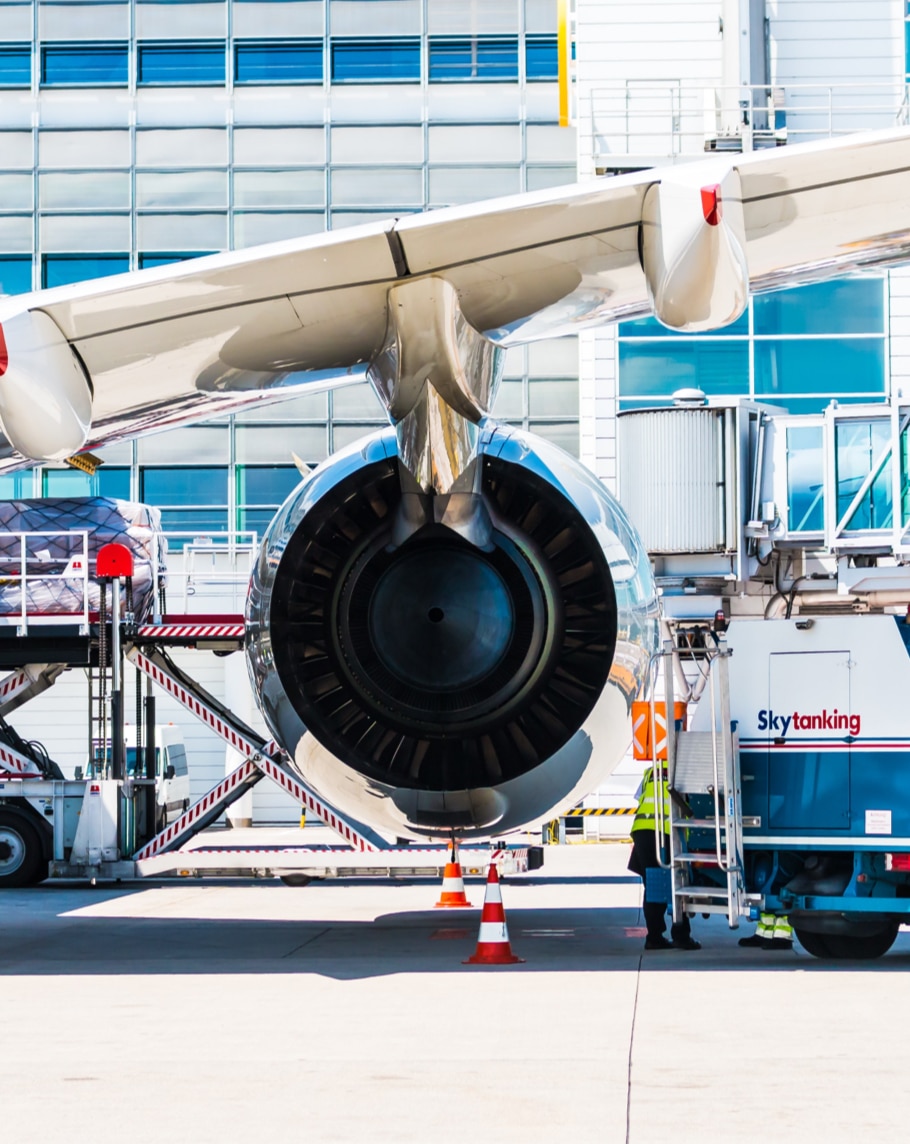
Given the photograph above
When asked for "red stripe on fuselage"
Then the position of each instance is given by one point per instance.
(4, 354)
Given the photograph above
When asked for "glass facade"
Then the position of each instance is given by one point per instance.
(136, 133)
(798, 348)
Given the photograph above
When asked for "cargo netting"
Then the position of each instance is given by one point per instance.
(41, 541)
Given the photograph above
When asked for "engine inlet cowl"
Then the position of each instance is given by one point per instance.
(437, 665)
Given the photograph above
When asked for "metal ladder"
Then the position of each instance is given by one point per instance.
(704, 766)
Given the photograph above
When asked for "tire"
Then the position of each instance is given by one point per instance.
(160, 819)
(814, 943)
(864, 948)
(838, 946)
(22, 861)
(296, 879)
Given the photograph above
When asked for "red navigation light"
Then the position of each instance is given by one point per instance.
(711, 204)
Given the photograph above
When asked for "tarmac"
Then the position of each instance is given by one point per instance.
(223, 1011)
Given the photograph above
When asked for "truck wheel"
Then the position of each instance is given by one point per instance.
(839, 946)
(863, 948)
(295, 879)
(21, 856)
(814, 943)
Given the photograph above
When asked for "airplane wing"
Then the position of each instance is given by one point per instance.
(86, 365)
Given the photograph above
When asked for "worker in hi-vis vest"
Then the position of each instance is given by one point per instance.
(772, 932)
(644, 858)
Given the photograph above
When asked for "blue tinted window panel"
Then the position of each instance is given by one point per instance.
(151, 260)
(541, 58)
(651, 328)
(16, 486)
(660, 368)
(15, 275)
(859, 445)
(829, 366)
(181, 63)
(266, 484)
(63, 269)
(287, 62)
(477, 58)
(68, 65)
(805, 478)
(175, 486)
(367, 61)
(106, 482)
(15, 65)
(842, 306)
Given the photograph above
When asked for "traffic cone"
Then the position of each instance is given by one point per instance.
(453, 895)
(493, 946)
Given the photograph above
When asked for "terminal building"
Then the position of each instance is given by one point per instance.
(136, 133)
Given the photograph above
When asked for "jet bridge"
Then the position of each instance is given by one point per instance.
(749, 510)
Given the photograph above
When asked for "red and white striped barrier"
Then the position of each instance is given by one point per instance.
(16, 766)
(294, 787)
(192, 631)
(246, 744)
(182, 825)
(264, 757)
(13, 684)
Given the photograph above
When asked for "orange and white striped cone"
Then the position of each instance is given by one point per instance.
(493, 946)
(453, 895)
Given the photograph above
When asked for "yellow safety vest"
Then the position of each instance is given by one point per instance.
(646, 815)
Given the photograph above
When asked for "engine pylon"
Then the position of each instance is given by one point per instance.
(453, 893)
(493, 946)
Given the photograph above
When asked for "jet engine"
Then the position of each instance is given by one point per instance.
(441, 684)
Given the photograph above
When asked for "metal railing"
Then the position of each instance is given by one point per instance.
(50, 586)
(666, 119)
(209, 572)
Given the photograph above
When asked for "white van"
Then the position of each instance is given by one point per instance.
(172, 785)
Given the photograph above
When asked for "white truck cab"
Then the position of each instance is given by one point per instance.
(172, 780)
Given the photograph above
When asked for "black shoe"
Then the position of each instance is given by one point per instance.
(755, 942)
(686, 943)
(779, 943)
(658, 943)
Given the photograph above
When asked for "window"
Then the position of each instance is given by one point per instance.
(15, 275)
(183, 190)
(843, 306)
(805, 478)
(541, 58)
(192, 499)
(15, 65)
(379, 60)
(858, 446)
(181, 63)
(288, 61)
(16, 486)
(64, 269)
(65, 65)
(662, 367)
(106, 482)
(827, 367)
(477, 58)
(261, 490)
(148, 261)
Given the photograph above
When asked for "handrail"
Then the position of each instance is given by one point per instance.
(672, 117)
(29, 570)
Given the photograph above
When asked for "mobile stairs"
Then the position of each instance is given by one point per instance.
(700, 849)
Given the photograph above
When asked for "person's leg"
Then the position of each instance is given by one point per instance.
(681, 933)
(655, 912)
(655, 919)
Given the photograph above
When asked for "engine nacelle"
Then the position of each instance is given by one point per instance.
(435, 686)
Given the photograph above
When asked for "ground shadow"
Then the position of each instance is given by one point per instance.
(43, 931)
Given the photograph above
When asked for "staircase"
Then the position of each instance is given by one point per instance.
(704, 856)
